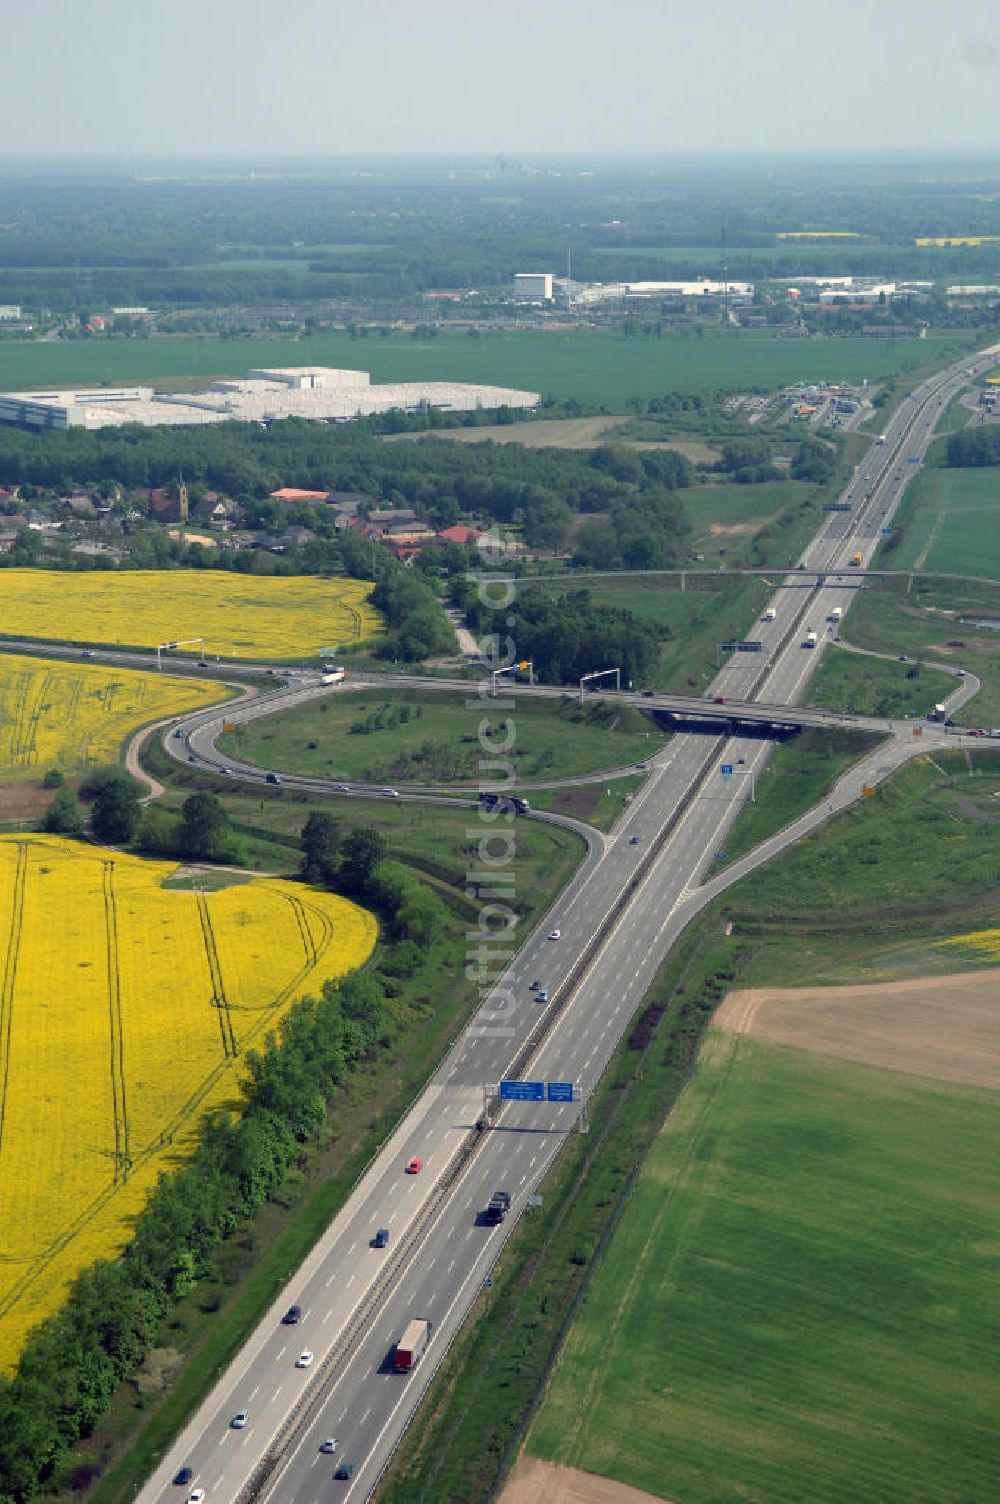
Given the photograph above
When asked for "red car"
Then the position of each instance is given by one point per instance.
(415, 1166)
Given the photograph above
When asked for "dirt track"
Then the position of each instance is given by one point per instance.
(947, 1027)
(534, 1482)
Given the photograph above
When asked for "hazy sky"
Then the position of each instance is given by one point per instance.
(256, 77)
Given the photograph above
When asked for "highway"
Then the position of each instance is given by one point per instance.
(616, 922)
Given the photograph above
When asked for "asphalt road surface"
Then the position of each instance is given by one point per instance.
(616, 922)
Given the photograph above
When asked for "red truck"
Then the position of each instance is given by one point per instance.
(412, 1344)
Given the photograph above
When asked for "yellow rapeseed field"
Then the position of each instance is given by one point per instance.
(237, 615)
(66, 715)
(985, 943)
(124, 1009)
(955, 239)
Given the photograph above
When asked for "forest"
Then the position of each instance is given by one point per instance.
(95, 236)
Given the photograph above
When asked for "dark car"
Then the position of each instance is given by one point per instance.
(292, 1316)
(345, 1470)
(648, 694)
(184, 1476)
(381, 1238)
(272, 778)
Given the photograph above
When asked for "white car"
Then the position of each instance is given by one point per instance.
(304, 1360)
(240, 1419)
(554, 934)
(390, 793)
(342, 788)
(195, 1496)
(330, 1445)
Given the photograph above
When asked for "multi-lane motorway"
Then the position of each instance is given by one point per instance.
(615, 923)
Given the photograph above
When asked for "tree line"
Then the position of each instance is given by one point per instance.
(569, 635)
(975, 446)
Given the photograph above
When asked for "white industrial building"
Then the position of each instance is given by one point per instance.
(317, 392)
(533, 287)
(581, 293)
(10, 310)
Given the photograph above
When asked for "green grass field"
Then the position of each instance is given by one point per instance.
(926, 844)
(799, 1305)
(924, 622)
(871, 686)
(592, 366)
(434, 738)
(951, 522)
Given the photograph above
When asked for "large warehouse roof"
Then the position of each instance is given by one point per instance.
(317, 392)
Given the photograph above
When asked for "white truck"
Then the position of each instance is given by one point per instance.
(835, 613)
(880, 439)
(809, 640)
(333, 674)
(412, 1344)
(769, 614)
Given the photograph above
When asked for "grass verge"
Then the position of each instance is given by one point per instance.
(795, 779)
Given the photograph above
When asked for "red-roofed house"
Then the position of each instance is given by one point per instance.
(289, 493)
(459, 534)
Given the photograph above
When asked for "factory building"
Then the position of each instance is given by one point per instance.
(320, 393)
(533, 287)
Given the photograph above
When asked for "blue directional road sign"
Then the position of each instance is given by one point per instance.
(726, 769)
(522, 1091)
(560, 1091)
(886, 532)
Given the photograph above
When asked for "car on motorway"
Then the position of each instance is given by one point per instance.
(342, 788)
(648, 694)
(633, 840)
(239, 1420)
(719, 700)
(543, 995)
(415, 1166)
(535, 985)
(381, 1238)
(178, 733)
(292, 1316)
(191, 757)
(305, 1359)
(390, 793)
(554, 934)
(184, 1476)
(86, 653)
(345, 1471)
(329, 1445)
(195, 1496)
(224, 769)
(203, 663)
(272, 778)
